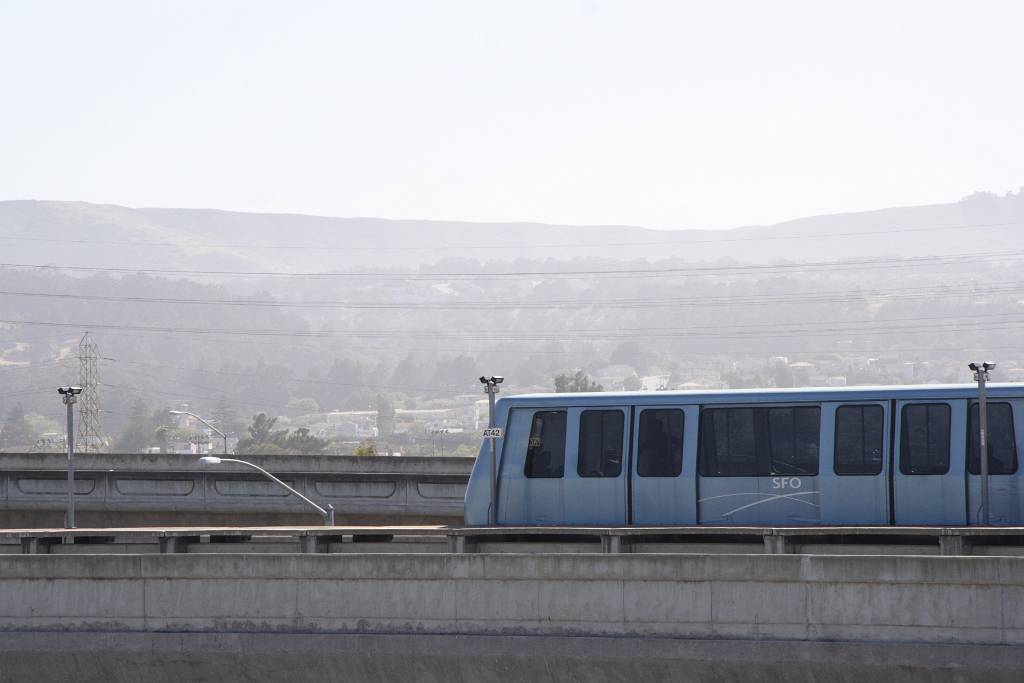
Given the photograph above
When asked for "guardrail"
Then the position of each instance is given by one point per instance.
(773, 540)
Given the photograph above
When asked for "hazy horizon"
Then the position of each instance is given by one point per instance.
(662, 115)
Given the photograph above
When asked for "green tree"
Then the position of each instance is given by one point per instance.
(263, 439)
(368, 447)
(262, 436)
(575, 382)
(304, 443)
(16, 431)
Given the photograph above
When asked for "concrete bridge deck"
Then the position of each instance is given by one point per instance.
(949, 541)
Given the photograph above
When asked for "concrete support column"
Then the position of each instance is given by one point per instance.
(778, 545)
(952, 545)
(612, 544)
(37, 546)
(176, 544)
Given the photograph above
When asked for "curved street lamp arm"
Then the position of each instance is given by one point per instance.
(222, 434)
(328, 513)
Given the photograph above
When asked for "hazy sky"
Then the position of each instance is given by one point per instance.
(665, 114)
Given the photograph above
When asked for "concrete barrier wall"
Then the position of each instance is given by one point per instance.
(141, 490)
(866, 599)
(121, 657)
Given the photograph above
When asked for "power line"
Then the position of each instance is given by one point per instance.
(687, 271)
(827, 296)
(470, 247)
(249, 375)
(858, 327)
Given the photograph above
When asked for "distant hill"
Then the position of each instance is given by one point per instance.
(82, 234)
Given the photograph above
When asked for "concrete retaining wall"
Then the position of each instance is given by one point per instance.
(919, 599)
(478, 618)
(314, 658)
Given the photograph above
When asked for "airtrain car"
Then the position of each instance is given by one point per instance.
(905, 455)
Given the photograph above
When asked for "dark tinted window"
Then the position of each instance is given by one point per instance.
(924, 439)
(600, 443)
(545, 453)
(727, 443)
(793, 438)
(660, 443)
(1001, 442)
(859, 438)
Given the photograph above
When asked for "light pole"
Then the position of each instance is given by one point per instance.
(327, 512)
(492, 434)
(441, 433)
(981, 376)
(70, 397)
(222, 434)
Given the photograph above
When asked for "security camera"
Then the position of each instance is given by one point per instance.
(497, 379)
(69, 391)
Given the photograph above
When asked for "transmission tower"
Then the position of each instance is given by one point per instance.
(89, 439)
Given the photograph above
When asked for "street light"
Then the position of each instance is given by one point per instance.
(222, 434)
(328, 512)
(442, 431)
(70, 397)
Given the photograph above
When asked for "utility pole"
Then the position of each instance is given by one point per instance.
(492, 433)
(981, 376)
(70, 397)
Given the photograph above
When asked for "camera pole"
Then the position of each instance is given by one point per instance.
(492, 434)
(70, 395)
(981, 376)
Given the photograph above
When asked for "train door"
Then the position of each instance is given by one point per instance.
(929, 485)
(597, 444)
(855, 463)
(759, 465)
(664, 465)
(1005, 428)
(531, 484)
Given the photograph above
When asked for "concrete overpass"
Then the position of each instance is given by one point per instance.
(484, 617)
(119, 490)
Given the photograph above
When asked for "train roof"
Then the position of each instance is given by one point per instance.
(866, 393)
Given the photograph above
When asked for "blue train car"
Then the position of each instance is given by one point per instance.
(904, 455)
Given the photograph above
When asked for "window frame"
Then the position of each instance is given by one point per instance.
(770, 447)
(565, 435)
(971, 443)
(601, 462)
(905, 438)
(677, 462)
(835, 440)
(761, 435)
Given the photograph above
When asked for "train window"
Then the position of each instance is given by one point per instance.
(660, 443)
(793, 439)
(924, 439)
(545, 453)
(859, 438)
(727, 444)
(600, 453)
(1002, 443)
